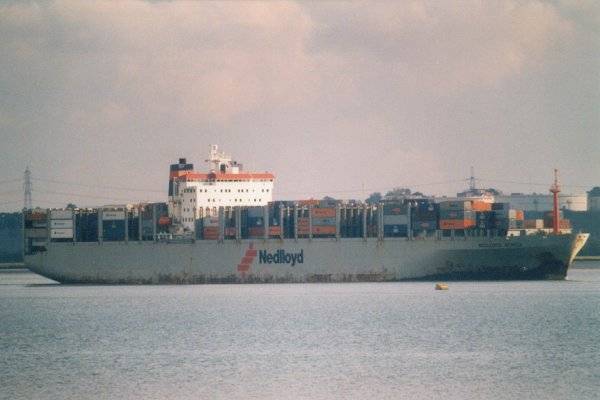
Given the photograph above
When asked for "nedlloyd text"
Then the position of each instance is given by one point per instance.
(280, 257)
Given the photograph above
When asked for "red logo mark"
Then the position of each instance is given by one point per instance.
(244, 265)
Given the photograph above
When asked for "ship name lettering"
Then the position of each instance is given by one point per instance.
(280, 257)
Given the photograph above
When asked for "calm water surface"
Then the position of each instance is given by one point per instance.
(491, 340)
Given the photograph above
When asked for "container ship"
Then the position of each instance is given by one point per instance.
(222, 226)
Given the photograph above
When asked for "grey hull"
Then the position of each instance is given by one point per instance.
(317, 260)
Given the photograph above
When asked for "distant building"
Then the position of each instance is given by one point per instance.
(543, 202)
(593, 198)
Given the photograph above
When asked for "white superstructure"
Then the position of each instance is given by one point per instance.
(194, 195)
(543, 202)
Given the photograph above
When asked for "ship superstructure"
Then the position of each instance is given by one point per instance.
(194, 195)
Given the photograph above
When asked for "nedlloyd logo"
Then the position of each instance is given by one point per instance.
(280, 257)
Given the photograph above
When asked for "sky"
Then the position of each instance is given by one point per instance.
(335, 98)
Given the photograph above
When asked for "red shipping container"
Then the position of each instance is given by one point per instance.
(210, 233)
(323, 230)
(309, 202)
(303, 222)
(323, 212)
(456, 223)
(257, 231)
(481, 206)
(164, 221)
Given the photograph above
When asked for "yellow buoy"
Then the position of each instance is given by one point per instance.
(441, 286)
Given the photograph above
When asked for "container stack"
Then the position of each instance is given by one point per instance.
(255, 224)
(275, 223)
(501, 216)
(210, 228)
(424, 217)
(323, 221)
(61, 225)
(288, 222)
(113, 225)
(147, 221)
(229, 221)
(395, 220)
(533, 224)
(36, 229)
(86, 221)
(519, 222)
(506, 218)
(372, 223)
(133, 223)
(549, 219)
(485, 220)
(163, 221)
(456, 215)
(351, 221)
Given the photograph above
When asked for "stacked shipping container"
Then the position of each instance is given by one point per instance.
(456, 215)
(395, 220)
(424, 217)
(389, 219)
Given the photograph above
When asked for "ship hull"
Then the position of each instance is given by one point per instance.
(319, 260)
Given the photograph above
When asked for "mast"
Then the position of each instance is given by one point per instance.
(472, 180)
(555, 190)
(27, 189)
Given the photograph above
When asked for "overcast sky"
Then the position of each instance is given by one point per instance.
(338, 98)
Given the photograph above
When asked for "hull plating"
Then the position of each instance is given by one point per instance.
(320, 260)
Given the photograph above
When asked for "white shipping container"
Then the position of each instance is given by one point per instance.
(61, 214)
(61, 223)
(395, 219)
(61, 233)
(113, 215)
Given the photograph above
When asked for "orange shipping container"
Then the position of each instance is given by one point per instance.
(309, 202)
(164, 221)
(520, 215)
(317, 230)
(456, 223)
(36, 216)
(323, 230)
(323, 212)
(533, 223)
(274, 230)
(210, 233)
(256, 231)
(481, 206)
(303, 222)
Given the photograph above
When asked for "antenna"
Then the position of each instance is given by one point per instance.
(472, 179)
(555, 189)
(27, 189)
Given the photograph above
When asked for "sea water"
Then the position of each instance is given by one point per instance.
(490, 340)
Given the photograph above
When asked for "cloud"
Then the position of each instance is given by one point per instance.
(440, 46)
(208, 61)
(280, 84)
